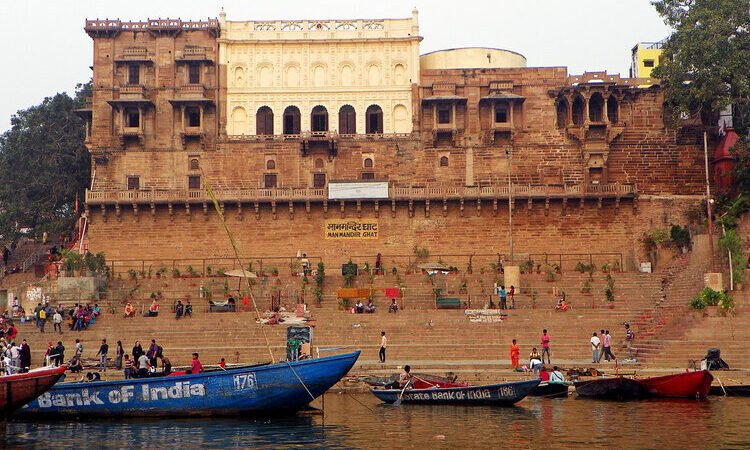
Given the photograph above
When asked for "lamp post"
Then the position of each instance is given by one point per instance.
(509, 153)
(708, 202)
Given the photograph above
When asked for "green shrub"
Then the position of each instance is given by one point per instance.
(710, 297)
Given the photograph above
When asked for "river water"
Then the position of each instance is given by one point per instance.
(533, 423)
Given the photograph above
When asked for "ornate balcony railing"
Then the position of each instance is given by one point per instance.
(112, 195)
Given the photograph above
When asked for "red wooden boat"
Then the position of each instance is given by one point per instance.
(681, 385)
(19, 389)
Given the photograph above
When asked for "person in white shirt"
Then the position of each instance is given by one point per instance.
(595, 346)
(556, 376)
(383, 345)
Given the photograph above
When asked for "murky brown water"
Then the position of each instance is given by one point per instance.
(533, 423)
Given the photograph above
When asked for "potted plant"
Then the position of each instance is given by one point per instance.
(605, 268)
(343, 304)
(209, 271)
(616, 266)
(161, 271)
(549, 275)
(274, 272)
(175, 272)
(586, 287)
(191, 273)
(132, 274)
(610, 297)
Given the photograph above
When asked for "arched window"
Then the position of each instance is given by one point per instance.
(367, 163)
(443, 161)
(264, 121)
(291, 120)
(612, 109)
(596, 108)
(374, 120)
(347, 120)
(270, 164)
(562, 113)
(319, 119)
(319, 164)
(578, 107)
(194, 164)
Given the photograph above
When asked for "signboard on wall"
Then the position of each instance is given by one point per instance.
(357, 190)
(351, 229)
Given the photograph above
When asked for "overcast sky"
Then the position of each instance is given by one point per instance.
(45, 49)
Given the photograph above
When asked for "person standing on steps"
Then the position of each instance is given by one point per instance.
(545, 346)
(515, 354)
(607, 346)
(503, 297)
(595, 345)
(629, 338)
(102, 353)
(119, 353)
(601, 349)
(383, 346)
(512, 295)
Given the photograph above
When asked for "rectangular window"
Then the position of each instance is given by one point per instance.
(269, 180)
(648, 63)
(194, 74)
(501, 113)
(444, 114)
(319, 180)
(134, 74)
(134, 183)
(132, 118)
(193, 117)
(194, 182)
(368, 175)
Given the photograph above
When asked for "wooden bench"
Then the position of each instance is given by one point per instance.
(448, 303)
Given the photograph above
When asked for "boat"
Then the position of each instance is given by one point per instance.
(420, 381)
(738, 390)
(265, 388)
(18, 389)
(681, 385)
(610, 388)
(505, 394)
(550, 390)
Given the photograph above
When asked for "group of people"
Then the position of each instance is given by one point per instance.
(536, 359)
(504, 295)
(79, 317)
(359, 308)
(14, 358)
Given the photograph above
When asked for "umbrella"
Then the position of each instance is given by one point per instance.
(434, 266)
(240, 273)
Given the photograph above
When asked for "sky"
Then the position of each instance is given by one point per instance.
(46, 51)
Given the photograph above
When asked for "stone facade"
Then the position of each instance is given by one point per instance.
(589, 158)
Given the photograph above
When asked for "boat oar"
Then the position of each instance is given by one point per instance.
(400, 396)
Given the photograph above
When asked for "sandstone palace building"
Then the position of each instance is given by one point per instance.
(338, 138)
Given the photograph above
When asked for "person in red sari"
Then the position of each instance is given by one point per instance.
(515, 353)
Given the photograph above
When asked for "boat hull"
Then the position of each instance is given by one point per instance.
(681, 385)
(741, 390)
(19, 389)
(550, 390)
(505, 394)
(260, 389)
(616, 388)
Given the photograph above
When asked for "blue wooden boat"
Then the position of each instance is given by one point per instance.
(505, 394)
(269, 388)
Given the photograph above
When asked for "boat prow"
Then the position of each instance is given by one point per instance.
(682, 385)
(19, 389)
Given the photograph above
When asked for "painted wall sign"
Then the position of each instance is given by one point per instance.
(357, 190)
(355, 229)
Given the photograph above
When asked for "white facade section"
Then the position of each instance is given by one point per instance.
(329, 63)
(374, 190)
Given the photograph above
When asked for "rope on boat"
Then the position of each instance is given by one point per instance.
(300, 380)
(239, 261)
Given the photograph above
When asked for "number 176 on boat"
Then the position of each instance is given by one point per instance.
(245, 381)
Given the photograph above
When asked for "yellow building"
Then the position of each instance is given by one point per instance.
(645, 57)
(296, 77)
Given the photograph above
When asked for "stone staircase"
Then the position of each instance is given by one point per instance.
(418, 333)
